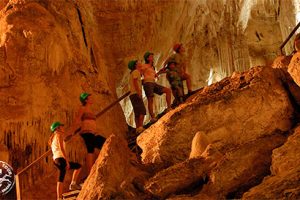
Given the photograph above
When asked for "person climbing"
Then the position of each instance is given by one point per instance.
(175, 81)
(135, 86)
(150, 86)
(86, 120)
(181, 61)
(60, 159)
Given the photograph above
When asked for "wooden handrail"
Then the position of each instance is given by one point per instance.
(37, 160)
(112, 104)
(18, 191)
(289, 37)
(69, 137)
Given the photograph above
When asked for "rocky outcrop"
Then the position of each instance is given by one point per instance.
(282, 62)
(293, 68)
(186, 175)
(283, 183)
(236, 110)
(50, 51)
(115, 174)
(44, 66)
(199, 144)
(242, 168)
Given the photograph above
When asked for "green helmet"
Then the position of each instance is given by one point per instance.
(147, 54)
(55, 125)
(83, 96)
(131, 64)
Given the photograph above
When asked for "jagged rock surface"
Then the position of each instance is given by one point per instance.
(283, 183)
(242, 168)
(234, 111)
(114, 175)
(51, 50)
(293, 68)
(185, 175)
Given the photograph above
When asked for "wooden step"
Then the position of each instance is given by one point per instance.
(73, 193)
(70, 198)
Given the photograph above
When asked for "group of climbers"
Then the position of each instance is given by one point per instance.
(85, 122)
(174, 67)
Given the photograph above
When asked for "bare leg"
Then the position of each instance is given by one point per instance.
(187, 77)
(137, 122)
(150, 106)
(59, 189)
(141, 120)
(89, 161)
(75, 175)
(168, 96)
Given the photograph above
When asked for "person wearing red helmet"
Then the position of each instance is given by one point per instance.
(180, 59)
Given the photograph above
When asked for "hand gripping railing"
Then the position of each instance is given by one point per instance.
(289, 37)
(47, 153)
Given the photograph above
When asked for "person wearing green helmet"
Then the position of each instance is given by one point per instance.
(135, 86)
(86, 120)
(150, 86)
(60, 159)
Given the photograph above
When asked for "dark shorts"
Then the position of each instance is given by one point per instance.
(92, 141)
(61, 164)
(151, 88)
(138, 105)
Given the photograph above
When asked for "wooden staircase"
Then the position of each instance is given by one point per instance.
(71, 195)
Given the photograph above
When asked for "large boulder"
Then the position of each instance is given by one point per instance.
(293, 68)
(283, 183)
(184, 175)
(242, 168)
(115, 174)
(236, 110)
(282, 62)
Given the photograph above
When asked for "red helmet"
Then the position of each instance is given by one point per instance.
(176, 47)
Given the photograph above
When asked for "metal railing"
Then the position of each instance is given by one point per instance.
(289, 37)
(47, 153)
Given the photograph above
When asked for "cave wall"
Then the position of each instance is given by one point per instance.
(51, 51)
(220, 37)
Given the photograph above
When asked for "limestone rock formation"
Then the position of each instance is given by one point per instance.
(115, 173)
(284, 179)
(185, 175)
(47, 58)
(52, 50)
(199, 144)
(242, 168)
(238, 109)
(293, 67)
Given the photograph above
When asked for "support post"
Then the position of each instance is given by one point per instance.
(18, 188)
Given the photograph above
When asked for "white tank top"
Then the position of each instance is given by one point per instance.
(56, 149)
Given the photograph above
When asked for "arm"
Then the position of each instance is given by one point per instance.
(76, 123)
(137, 88)
(162, 71)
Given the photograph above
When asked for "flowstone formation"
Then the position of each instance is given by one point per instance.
(189, 154)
